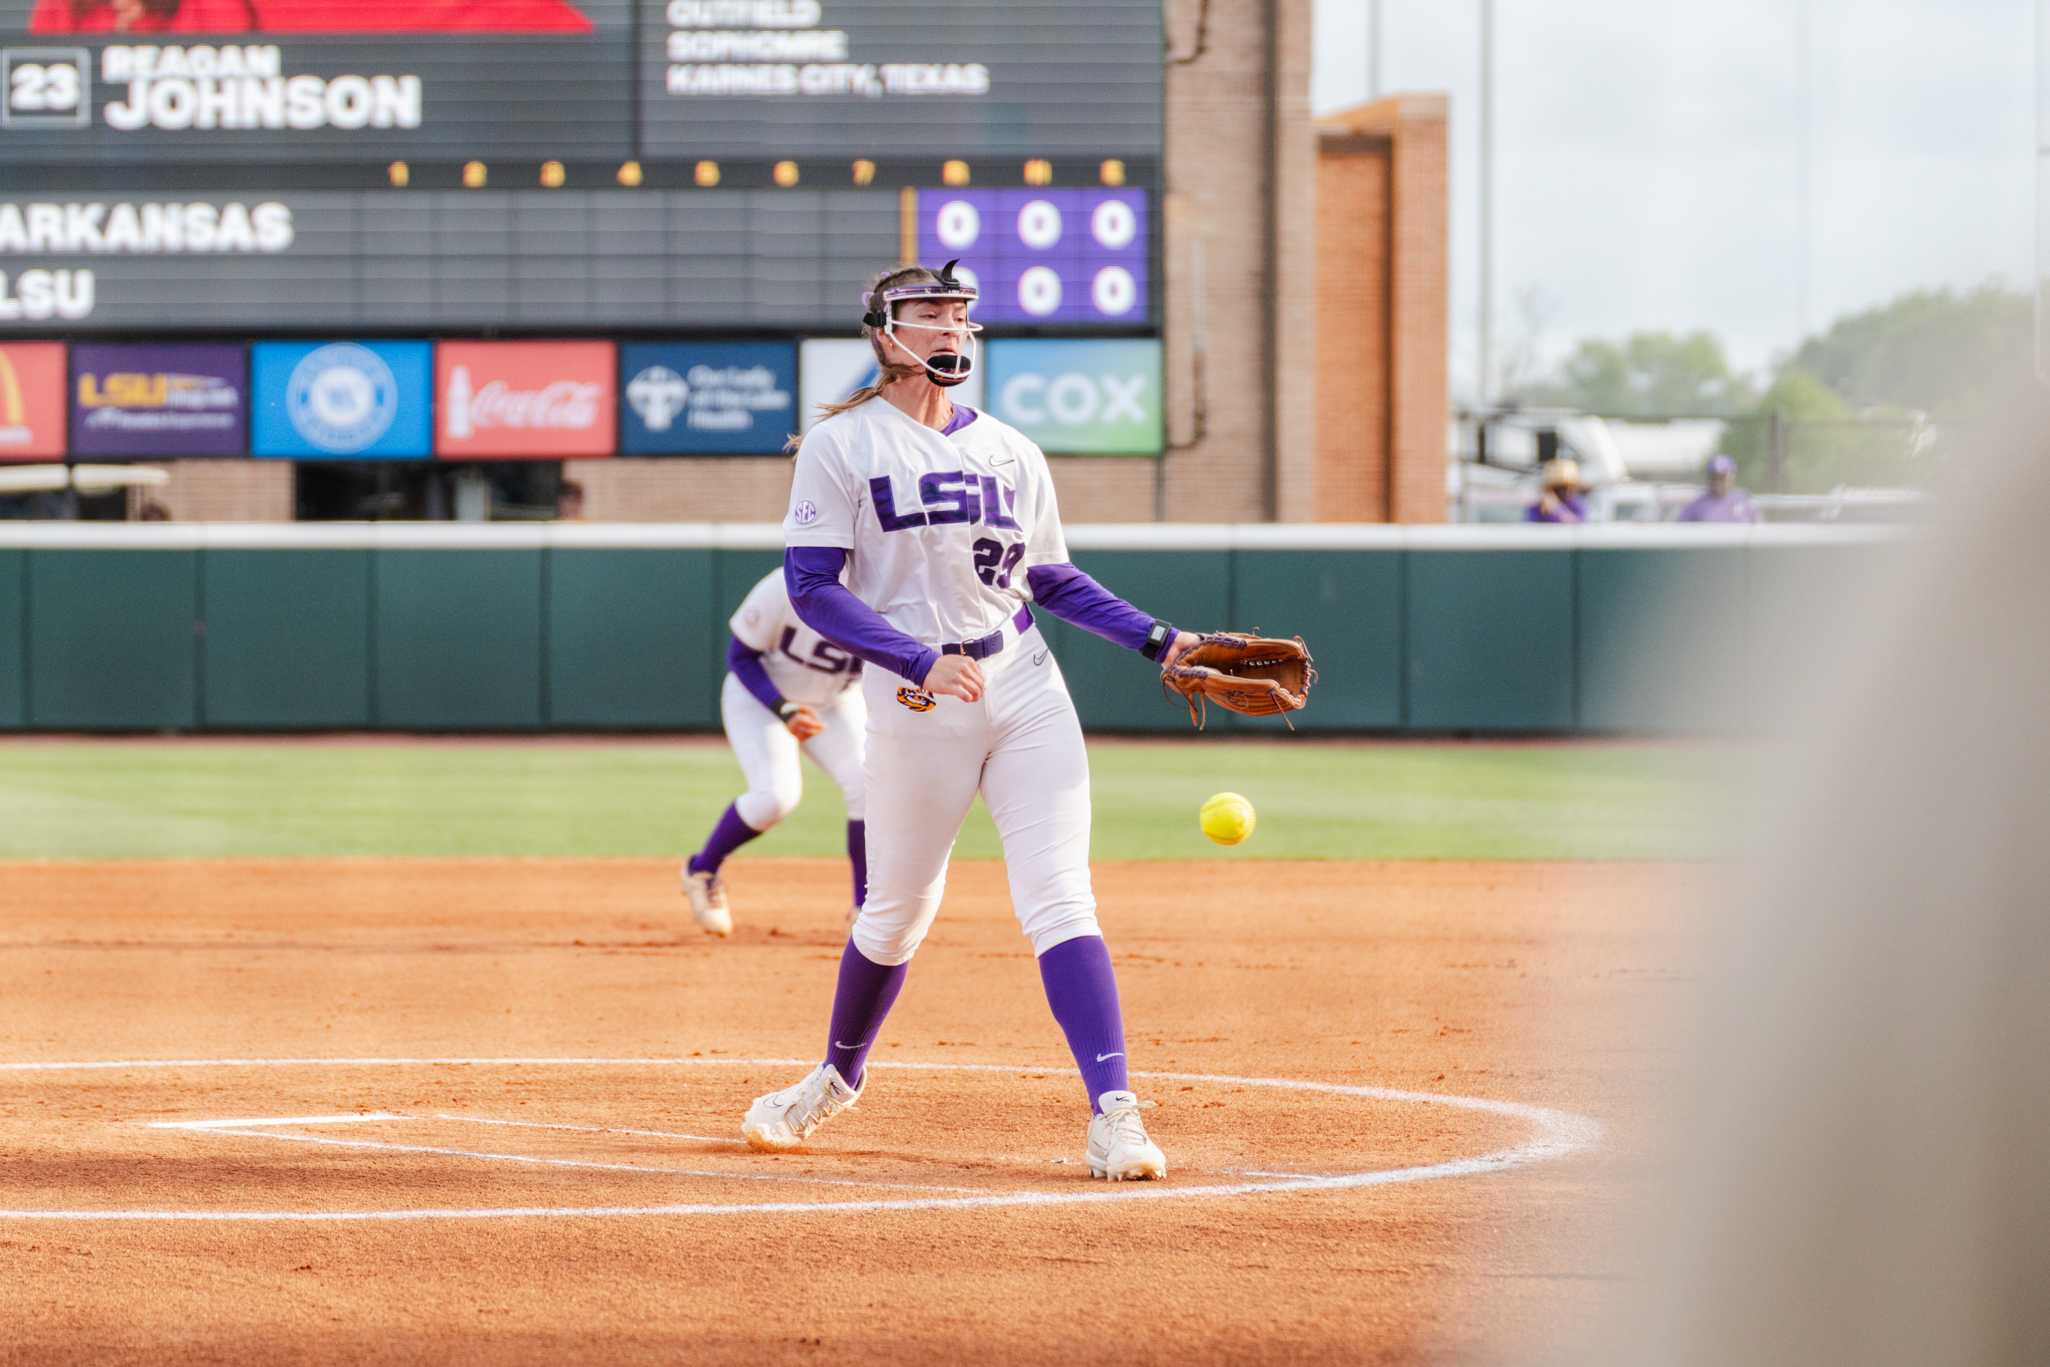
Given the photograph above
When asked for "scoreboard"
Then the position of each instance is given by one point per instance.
(409, 165)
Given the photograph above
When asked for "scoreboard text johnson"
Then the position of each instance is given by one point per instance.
(245, 87)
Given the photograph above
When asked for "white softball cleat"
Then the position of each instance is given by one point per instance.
(785, 1119)
(707, 893)
(1118, 1146)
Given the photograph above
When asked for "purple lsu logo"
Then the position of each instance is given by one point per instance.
(825, 657)
(949, 496)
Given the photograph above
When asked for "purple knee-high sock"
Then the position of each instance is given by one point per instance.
(1083, 993)
(857, 855)
(865, 995)
(726, 837)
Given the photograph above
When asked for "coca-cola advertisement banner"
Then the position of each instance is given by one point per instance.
(524, 400)
(147, 401)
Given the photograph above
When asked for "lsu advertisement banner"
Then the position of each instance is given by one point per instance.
(342, 400)
(146, 401)
(707, 398)
(31, 400)
(831, 368)
(1085, 398)
(524, 400)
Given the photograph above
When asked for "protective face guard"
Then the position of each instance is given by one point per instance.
(947, 370)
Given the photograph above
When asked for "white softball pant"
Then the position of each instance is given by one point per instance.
(768, 752)
(1021, 747)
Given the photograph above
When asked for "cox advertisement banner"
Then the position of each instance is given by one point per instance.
(531, 400)
(31, 400)
(145, 401)
(342, 400)
(1093, 398)
(831, 368)
(707, 398)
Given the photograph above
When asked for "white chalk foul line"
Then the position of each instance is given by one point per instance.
(1556, 1134)
(253, 1122)
(725, 1139)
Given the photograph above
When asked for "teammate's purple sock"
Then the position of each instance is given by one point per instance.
(1083, 993)
(857, 855)
(726, 837)
(865, 995)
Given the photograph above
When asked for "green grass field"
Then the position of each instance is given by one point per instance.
(110, 800)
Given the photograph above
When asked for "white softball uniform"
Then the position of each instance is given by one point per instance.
(940, 530)
(806, 668)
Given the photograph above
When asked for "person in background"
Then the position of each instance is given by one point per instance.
(1722, 500)
(1562, 497)
(569, 502)
(153, 511)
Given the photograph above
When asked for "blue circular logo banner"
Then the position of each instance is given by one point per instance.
(342, 400)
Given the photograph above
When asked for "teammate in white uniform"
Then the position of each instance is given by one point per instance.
(945, 524)
(786, 688)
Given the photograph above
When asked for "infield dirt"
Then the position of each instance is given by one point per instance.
(1513, 982)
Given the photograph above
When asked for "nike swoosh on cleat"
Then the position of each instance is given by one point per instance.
(1115, 1053)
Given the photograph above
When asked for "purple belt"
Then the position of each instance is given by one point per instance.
(992, 643)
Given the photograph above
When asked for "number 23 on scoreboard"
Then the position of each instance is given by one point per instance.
(44, 87)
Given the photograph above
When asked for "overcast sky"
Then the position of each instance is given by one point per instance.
(1647, 168)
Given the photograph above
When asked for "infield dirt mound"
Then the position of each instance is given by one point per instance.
(1510, 982)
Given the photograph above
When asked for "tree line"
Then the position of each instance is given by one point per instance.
(1868, 401)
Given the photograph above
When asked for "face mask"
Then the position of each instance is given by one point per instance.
(946, 370)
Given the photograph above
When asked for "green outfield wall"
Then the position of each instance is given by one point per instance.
(433, 627)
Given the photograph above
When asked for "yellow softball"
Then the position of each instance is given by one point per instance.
(1227, 818)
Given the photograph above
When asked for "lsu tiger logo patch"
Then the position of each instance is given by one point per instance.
(917, 699)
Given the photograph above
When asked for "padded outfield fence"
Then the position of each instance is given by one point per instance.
(512, 627)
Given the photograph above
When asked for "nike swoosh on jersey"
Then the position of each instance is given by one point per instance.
(1039, 658)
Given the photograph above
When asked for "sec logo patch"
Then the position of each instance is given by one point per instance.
(917, 699)
(806, 513)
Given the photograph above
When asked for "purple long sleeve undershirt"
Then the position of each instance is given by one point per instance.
(1080, 601)
(744, 663)
(812, 575)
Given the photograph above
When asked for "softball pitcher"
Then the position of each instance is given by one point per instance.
(787, 688)
(944, 523)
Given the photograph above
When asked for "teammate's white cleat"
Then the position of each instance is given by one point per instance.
(1118, 1146)
(785, 1119)
(707, 893)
